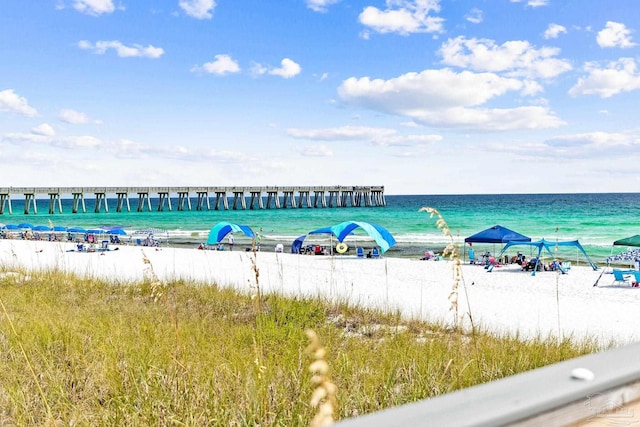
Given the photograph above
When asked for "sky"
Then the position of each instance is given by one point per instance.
(420, 96)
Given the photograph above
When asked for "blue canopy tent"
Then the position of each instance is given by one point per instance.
(547, 246)
(497, 234)
(221, 229)
(381, 235)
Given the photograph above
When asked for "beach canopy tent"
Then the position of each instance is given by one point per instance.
(547, 246)
(220, 230)
(628, 241)
(630, 255)
(497, 234)
(380, 235)
(296, 246)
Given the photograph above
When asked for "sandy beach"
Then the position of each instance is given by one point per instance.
(506, 300)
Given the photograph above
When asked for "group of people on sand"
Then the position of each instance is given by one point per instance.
(518, 259)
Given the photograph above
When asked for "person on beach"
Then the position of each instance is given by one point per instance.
(230, 239)
(258, 241)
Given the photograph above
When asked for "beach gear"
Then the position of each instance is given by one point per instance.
(381, 235)
(496, 234)
(547, 246)
(221, 229)
(341, 248)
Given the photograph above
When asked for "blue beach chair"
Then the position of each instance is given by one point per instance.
(636, 282)
(619, 276)
(375, 253)
(360, 252)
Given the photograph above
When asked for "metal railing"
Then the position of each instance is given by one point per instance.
(596, 389)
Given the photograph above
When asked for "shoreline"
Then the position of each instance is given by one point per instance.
(505, 301)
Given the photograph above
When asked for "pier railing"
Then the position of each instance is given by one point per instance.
(206, 198)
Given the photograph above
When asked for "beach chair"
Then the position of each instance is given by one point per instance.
(375, 253)
(360, 252)
(636, 281)
(619, 276)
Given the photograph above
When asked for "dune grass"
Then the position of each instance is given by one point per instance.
(82, 352)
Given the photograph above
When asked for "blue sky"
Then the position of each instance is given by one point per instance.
(421, 96)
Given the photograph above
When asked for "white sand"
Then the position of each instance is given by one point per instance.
(506, 300)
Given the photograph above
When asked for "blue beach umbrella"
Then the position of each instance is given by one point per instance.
(59, 228)
(25, 225)
(11, 227)
(76, 230)
(42, 228)
(117, 231)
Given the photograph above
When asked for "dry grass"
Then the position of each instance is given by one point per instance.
(80, 352)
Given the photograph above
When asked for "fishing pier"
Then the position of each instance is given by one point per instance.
(204, 198)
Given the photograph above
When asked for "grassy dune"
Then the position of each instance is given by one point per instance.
(78, 352)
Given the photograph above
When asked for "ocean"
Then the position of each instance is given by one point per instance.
(596, 220)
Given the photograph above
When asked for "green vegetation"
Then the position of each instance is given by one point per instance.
(78, 352)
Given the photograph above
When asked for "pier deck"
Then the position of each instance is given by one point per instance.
(206, 198)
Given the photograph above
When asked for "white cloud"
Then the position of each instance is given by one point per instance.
(516, 58)
(258, 69)
(615, 34)
(287, 69)
(94, 7)
(43, 129)
(553, 31)
(532, 3)
(68, 142)
(123, 51)
(403, 17)
(76, 117)
(199, 9)
(222, 65)
(320, 5)
(619, 76)
(446, 98)
(13, 103)
(475, 16)
(344, 133)
(377, 136)
(316, 151)
(588, 145)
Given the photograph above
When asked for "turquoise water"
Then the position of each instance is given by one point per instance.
(596, 220)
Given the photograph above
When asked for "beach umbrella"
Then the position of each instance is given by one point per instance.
(41, 228)
(76, 230)
(117, 231)
(11, 227)
(59, 228)
(25, 225)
